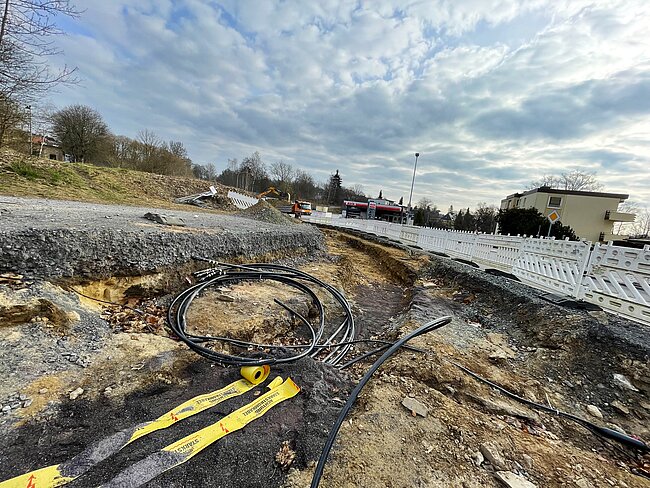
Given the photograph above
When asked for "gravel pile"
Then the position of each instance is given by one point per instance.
(265, 212)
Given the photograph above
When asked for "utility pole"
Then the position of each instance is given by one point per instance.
(31, 138)
(417, 155)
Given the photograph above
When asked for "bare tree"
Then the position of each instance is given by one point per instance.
(574, 180)
(12, 114)
(424, 203)
(26, 31)
(485, 216)
(210, 171)
(358, 189)
(81, 130)
(282, 171)
(253, 169)
(641, 227)
(149, 145)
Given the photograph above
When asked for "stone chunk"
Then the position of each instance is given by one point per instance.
(76, 393)
(416, 408)
(493, 456)
(594, 411)
(513, 480)
(622, 382)
(620, 407)
(164, 219)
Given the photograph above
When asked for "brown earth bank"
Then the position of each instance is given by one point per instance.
(25, 176)
(130, 370)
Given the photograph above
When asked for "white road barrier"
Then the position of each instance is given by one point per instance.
(615, 278)
(618, 279)
(241, 201)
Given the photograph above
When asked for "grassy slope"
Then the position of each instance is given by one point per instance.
(34, 177)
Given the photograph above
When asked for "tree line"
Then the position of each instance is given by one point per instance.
(254, 175)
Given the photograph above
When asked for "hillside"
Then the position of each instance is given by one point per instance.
(21, 175)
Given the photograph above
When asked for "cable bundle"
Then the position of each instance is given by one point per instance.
(337, 343)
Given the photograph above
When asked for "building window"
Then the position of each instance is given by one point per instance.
(554, 202)
(52, 156)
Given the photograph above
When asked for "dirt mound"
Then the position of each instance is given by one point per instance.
(265, 212)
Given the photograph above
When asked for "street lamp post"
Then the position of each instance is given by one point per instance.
(31, 138)
(417, 155)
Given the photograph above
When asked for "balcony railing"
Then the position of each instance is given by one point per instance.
(619, 216)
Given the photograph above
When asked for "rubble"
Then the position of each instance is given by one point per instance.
(265, 212)
(620, 407)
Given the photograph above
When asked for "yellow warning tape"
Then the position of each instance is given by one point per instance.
(60, 474)
(253, 375)
(188, 447)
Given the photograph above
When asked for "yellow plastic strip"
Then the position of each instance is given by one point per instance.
(60, 474)
(188, 447)
(253, 375)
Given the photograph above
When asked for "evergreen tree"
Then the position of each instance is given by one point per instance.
(458, 223)
(334, 189)
(469, 222)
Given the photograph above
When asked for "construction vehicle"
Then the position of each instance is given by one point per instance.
(273, 193)
(301, 207)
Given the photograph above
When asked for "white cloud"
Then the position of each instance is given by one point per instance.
(493, 93)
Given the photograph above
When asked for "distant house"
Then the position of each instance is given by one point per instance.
(590, 214)
(46, 147)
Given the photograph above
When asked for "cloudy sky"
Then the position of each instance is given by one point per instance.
(492, 93)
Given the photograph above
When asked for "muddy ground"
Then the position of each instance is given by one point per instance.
(131, 371)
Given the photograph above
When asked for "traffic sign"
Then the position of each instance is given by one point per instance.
(553, 216)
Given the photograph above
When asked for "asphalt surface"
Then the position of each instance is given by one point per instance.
(54, 239)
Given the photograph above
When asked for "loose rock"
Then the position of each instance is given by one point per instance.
(76, 393)
(620, 407)
(527, 461)
(594, 411)
(478, 458)
(493, 456)
(513, 480)
(416, 408)
(623, 383)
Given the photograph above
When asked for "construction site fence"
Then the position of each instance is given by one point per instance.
(615, 278)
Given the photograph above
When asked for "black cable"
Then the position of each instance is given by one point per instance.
(338, 342)
(603, 431)
(428, 327)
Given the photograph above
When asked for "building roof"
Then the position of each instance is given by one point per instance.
(556, 191)
(45, 140)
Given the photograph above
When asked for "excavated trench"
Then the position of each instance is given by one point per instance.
(121, 355)
(130, 369)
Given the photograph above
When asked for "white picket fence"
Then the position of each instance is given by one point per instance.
(615, 278)
(241, 201)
